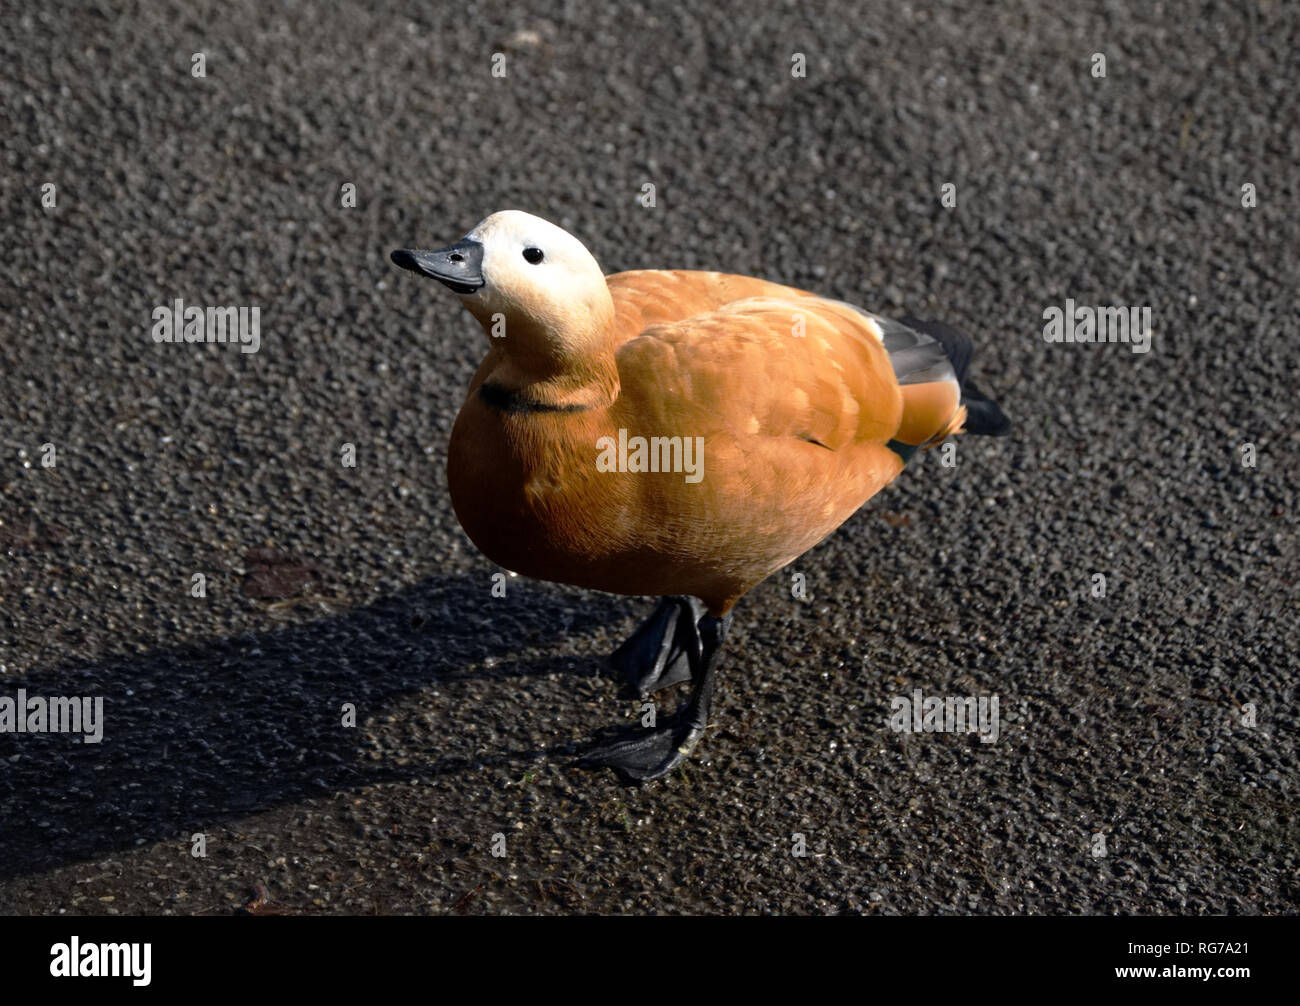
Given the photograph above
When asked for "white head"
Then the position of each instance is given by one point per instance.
(532, 276)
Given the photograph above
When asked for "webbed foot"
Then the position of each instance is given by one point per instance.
(654, 656)
(641, 754)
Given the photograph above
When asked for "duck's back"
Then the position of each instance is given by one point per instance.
(646, 297)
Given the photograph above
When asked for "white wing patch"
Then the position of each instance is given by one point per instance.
(864, 315)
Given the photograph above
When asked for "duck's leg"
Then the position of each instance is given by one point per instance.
(641, 754)
(654, 656)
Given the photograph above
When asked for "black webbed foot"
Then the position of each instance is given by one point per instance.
(641, 754)
(654, 656)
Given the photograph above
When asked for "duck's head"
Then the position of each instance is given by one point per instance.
(532, 285)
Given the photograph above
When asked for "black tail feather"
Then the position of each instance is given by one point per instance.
(983, 415)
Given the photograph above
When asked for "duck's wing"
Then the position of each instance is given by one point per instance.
(797, 367)
(795, 404)
(697, 307)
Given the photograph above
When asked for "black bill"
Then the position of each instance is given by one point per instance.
(458, 266)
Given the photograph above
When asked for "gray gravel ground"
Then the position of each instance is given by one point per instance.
(1123, 716)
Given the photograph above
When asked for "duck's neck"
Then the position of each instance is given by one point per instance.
(560, 366)
(594, 385)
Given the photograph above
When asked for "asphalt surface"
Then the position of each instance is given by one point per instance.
(1125, 716)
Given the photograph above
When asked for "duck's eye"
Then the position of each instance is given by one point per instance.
(532, 255)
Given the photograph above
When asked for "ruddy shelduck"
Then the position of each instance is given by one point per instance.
(676, 434)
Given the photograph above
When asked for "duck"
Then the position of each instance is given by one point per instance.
(676, 434)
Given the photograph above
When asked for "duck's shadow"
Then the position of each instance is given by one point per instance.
(201, 734)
